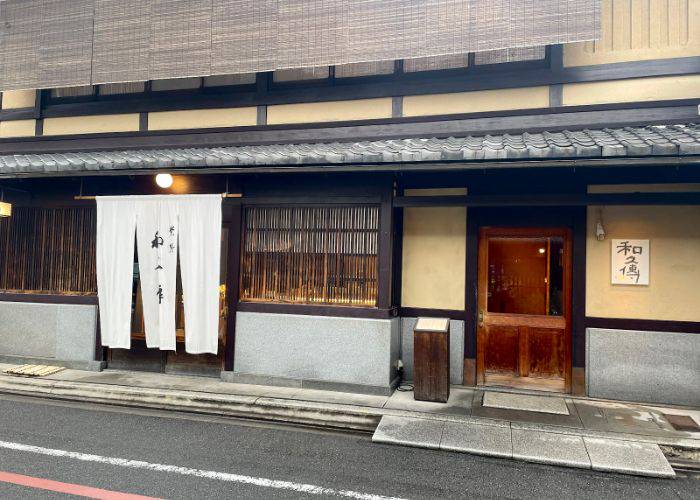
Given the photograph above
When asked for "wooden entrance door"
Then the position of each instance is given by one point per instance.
(524, 301)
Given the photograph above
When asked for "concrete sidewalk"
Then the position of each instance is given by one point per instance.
(526, 417)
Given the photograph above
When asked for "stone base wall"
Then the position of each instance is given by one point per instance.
(651, 367)
(456, 349)
(58, 333)
(356, 354)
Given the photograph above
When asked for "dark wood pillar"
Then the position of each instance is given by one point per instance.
(233, 268)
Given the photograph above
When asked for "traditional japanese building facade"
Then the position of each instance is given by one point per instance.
(544, 198)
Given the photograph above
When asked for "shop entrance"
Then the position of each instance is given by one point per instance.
(524, 308)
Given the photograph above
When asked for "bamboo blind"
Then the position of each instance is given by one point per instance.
(48, 250)
(53, 43)
(311, 255)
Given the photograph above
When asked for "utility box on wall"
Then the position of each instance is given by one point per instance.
(431, 360)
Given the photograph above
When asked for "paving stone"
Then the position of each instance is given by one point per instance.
(489, 440)
(627, 457)
(419, 432)
(524, 402)
(550, 448)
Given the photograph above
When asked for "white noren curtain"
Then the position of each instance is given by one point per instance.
(200, 266)
(116, 225)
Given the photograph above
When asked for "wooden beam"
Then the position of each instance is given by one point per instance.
(488, 77)
(233, 266)
(457, 125)
(223, 195)
(549, 200)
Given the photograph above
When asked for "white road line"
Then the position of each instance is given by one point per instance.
(186, 471)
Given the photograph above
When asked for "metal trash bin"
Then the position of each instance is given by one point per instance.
(431, 360)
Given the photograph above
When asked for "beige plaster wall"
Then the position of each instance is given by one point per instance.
(13, 99)
(361, 109)
(474, 102)
(632, 90)
(91, 124)
(434, 254)
(674, 266)
(202, 118)
(639, 30)
(18, 128)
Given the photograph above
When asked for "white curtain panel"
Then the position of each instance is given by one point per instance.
(156, 243)
(200, 265)
(116, 224)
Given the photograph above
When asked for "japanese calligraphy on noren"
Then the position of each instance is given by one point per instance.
(157, 242)
(630, 262)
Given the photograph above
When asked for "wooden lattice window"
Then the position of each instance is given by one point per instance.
(310, 255)
(48, 250)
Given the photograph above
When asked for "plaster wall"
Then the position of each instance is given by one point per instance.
(91, 124)
(202, 118)
(360, 109)
(434, 257)
(633, 30)
(14, 99)
(17, 128)
(674, 273)
(474, 102)
(632, 90)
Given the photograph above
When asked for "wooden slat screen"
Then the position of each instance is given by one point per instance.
(48, 250)
(56, 43)
(310, 255)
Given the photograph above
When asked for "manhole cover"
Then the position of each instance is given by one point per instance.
(682, 423)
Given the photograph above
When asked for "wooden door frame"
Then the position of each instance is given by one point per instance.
(482, 278)
(573, 218)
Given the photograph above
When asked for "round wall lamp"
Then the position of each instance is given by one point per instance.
(164, 180)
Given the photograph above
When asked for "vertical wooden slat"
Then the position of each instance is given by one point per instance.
(316, 254)
(48, 250)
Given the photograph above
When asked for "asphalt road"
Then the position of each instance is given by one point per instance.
(96, 446)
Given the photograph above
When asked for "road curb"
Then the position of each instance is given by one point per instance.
(312, 413)
(325, 415)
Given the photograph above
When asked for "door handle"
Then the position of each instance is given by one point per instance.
(481, 317)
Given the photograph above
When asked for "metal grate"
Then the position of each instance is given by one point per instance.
(313, 255)
(683, 423)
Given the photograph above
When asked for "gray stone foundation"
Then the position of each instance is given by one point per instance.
(652, 367)
(61, 334)
(348, 354)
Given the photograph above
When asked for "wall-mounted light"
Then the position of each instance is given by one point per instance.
(599, 229)
(5, 208)
(164, 180)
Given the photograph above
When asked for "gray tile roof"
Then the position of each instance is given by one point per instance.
(666, 140)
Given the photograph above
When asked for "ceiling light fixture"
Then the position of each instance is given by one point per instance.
(164, 180)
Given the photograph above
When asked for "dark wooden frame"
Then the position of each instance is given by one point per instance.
(46, 298)
(385, 259)
(482, 281)
(551, 200)
(484, 77)
(462, 125)
(573, 218)
(233, 267)
(651, 325)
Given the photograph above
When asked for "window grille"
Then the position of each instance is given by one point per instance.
(44, 250)
(310, 255)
